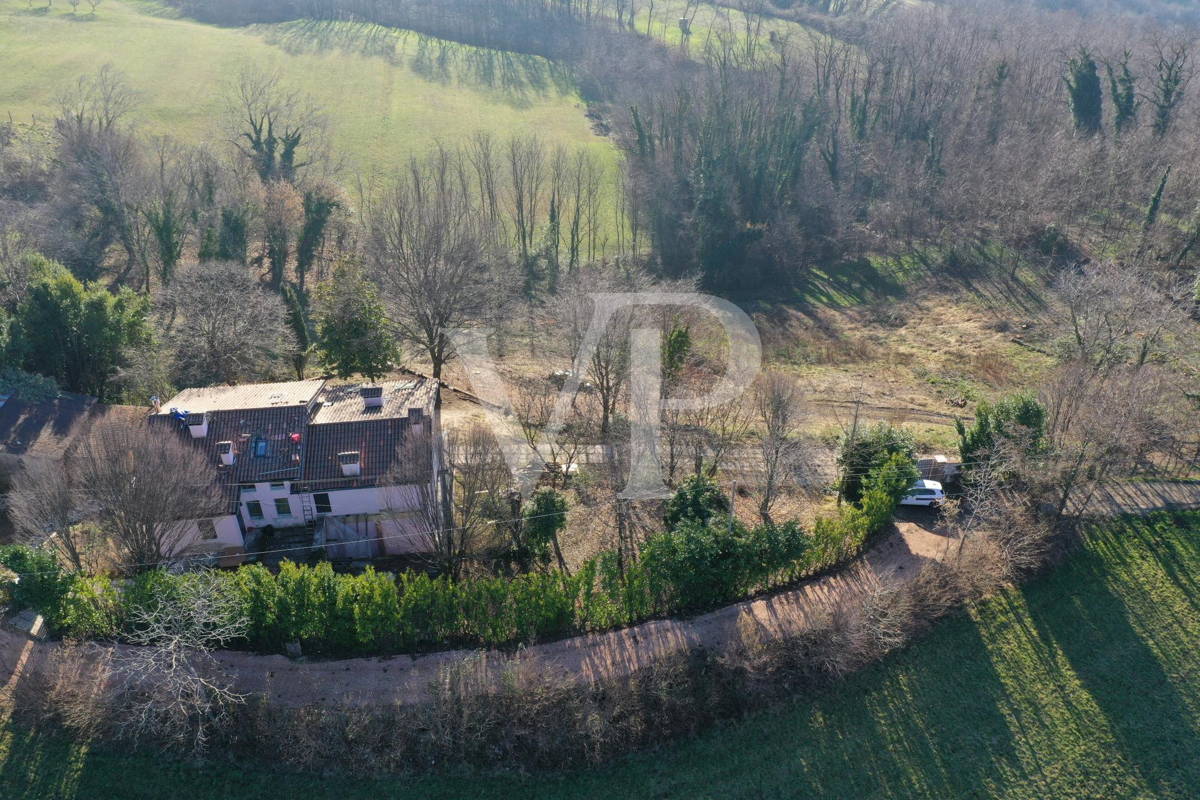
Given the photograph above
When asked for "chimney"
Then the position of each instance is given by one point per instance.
(225, 453)
(372, 396)
(351, 466)
(197, 425)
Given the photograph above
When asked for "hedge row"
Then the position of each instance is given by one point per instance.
(698, 564)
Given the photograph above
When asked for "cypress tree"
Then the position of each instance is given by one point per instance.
(1122, 88)
(1083, 92)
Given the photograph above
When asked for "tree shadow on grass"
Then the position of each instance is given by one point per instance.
(308, 36)
(982, 273)
(38, 765)
(1154, 726)
(851, 283)
(513, 77)
(931, 725)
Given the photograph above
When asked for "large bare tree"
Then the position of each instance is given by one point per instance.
(278, 129)
(479, 483)
(781, 411)
(224, 327)
(44, 508)
(145, 487)
(101, 180)
(170, 690)
(432, 252)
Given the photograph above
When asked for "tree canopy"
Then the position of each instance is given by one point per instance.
(78, 334)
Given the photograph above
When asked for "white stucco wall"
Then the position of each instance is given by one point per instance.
(266, 495)
(229, 534)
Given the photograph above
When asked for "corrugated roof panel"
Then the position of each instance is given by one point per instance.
(235, 398)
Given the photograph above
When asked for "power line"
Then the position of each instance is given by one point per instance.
(350, 542)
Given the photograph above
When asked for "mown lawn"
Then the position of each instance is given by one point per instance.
(387, 93)
(1084, 684)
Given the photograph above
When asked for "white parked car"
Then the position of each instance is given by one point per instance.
(924, 493)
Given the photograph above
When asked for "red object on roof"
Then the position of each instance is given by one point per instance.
(295, 437)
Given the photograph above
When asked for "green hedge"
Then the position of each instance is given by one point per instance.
(695, 565)
(71, 603)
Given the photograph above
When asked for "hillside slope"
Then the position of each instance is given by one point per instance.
(1081, 684)
(387, 93)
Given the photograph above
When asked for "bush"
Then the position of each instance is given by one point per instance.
(259, 593)
(1017, 418)
(376, 611)
(41, 583)
(146, 591)
(695, 565)
(91, 609)
(868, 450)
(698, 499)
(847, 533)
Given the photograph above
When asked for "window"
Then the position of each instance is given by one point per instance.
(254, 509)
(208, 529)
(283, 507)
(247, 488)
(278, 485)
(260, 447)
(323, 504)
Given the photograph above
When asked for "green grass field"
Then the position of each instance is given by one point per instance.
(1083, 684)
(712, 23)
(387, 93)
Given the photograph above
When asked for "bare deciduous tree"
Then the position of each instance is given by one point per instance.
(431, 252)
(712, 432)
(145, 486)
(1099, 425)
(481, 482)
(100, 184)
(533, 406)
(781, 411)
(1115, 314)
(527, 176)
(279, 130)
(43, 505)
(170, 690)
(224, 327)
(609, 364)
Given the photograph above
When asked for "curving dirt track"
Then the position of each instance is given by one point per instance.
(412, 679)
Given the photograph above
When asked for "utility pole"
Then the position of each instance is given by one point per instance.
(849, 449)
(732, 501)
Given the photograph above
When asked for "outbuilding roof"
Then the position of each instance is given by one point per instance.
(248, 396)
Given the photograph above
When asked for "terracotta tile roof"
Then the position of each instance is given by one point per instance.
(382, 447)
(275, 433)
(297, 430)
(44, 430)
(344, 423)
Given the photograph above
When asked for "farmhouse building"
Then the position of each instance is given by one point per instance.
(359, 466)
